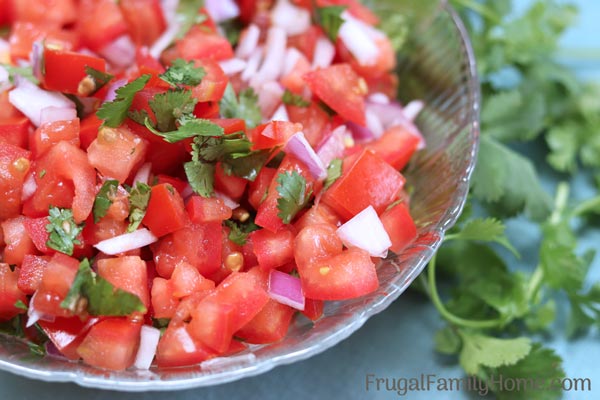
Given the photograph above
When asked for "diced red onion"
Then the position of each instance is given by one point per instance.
(222, 10)
(233, 66)
(34, 316)
(111, 94)
(183, 337)
(253, 64)
(169, 9)
(29, 187)
(272, 65)
(4, 46)
(366, 232)
(269, 97)
(374, 124)
(248, 42)
(165, 39)
(31, 100)
(393, 114)
(126, 242)
(413, 109)
(53, 114)
(143, 174)
(333, 146)
(37, 59)
(228, 201)
(292, 56)
(379, 98)
(280, 114)
(286, 289)
(299, 146)
(369, 30)
(221, 363)
(53, 351)
(121, 52)
(324, 53)
(294, 20)
(149, 337)
(360, 133)
(187, 192)
(359, 39)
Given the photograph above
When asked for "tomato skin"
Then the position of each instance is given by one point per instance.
(100, 22)
(56, 282)
(211, 324)
(88, 130)
(259, 188)
(24, 34)
(36, 229)
(111, 343)
(313, 309)
(202, 209)
(268, 326)
(59, 12)
(165, 213)
(14, 165)
(64, 70)
(128, 273)
(273, 249)
(229, 185)
(49, 134)
(396, 146)
(164, 303)
(368, 180)
(201, 45)
(14, 130)
(186, 280)
(64, 163)
(341, 89)
(18, 242)
(31, 273)
(145, 20)
(9, 293)
(116, 152)
(67, 333)
(316, 242)
(273, 134)
(318, 214)
(400, 226)
(213, 85)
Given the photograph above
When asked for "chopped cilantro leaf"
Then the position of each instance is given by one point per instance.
(201, 176)
(188, 128)
(25, 72)
(20, 305)
(245, 106)
(100, 78)
(189, 15)
(114, 112)
(480, 351)
(63, 230)
(104, 199)
(330, 19)
(294, 195)
(334, 171)
(238, 233)
(139, 196)
(183, 72)
(293, 99)
(99, 296)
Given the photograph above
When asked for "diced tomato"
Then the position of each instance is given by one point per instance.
(316, 242)
(9, 293)
(384, 64)
(274, 133)
(179, 185)
(201, 45)
(273, 249)
(59, 12)
(57, 279)
(165, 213)
(144, 19)
(211, 324)
(314, 120)
(229, 185)
(49, 134)
(64, 70)
(197, 244)
(177, 348)
(24, 34)
(36, 229)
(202, 209)
(230, 125)
(306, 42)
(313, 309)
(255, 11)
(396, 146)
(267, 215)
(111, 343)
(18, 242)
(400, 226)
(268, 326)
(117, 152)
(294, 80)
(14, 166)
(100, 22)
(67, 333)
(186, 280)
(164, 303)
(317, 214)
(259, 188)
(213, 84)
(15, 130)
(341, 89)
(368, 181)
(64, 178)
(31, 273)
(88, 130)
(127, 273)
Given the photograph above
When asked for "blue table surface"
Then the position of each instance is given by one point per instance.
(397, 343)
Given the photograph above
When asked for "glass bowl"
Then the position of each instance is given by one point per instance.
(437, 66)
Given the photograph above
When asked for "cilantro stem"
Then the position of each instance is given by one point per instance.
(447, 315)
(586, 207)
(560, 203)
(535, 282)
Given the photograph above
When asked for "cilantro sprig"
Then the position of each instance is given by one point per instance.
(330, 19)
(294, 195)
(114, 112)
(63, 231)
(104, 199)
(183, 72)
(243, 106)
(139, 196)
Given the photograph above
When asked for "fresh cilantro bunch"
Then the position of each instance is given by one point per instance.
(492, 310)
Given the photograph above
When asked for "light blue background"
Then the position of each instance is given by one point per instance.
(396, 343)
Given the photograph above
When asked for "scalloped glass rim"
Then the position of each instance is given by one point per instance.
(451, 126)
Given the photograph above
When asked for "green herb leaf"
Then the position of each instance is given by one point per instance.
(201, 176)
(104, 199)
(293, 99)
(21, 306)
(63, 230)
(100, 78)
(485, 230)
(139, 196)
(114, 112)
(245, 106)
(25, 72)
(182, 72)
(189, 13)
(480, 351)
(239, 231)
(99, 295)
(294, 196)
(334, 172)
(188, 128)
(330, 19)
(447, 341)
